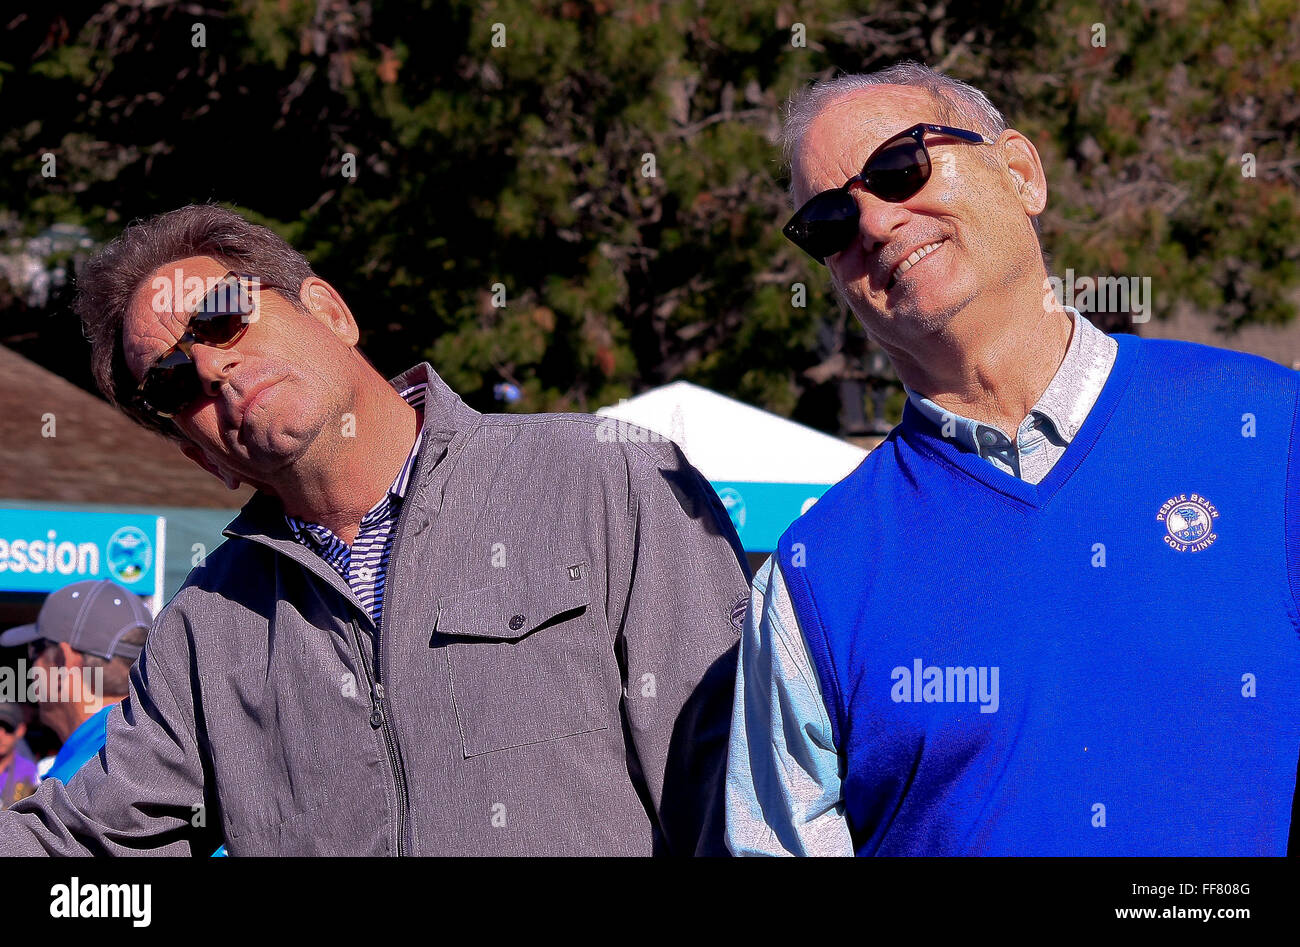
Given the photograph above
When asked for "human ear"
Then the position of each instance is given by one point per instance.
(324, 302)
(1025, 169)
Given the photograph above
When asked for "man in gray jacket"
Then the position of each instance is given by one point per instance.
(432, 631)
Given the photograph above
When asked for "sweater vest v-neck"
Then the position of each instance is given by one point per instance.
(1105, 663)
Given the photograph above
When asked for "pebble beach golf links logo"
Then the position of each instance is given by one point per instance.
(1189, 522)
(129, 553)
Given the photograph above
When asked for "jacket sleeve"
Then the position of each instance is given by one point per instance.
(144, 792)
(677, 644)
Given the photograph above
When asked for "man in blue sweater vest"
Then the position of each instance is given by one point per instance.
(1056, 611)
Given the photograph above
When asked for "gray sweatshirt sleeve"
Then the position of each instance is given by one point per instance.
(677, 645)
(143, 793)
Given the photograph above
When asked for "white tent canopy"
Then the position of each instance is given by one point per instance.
(728, 440)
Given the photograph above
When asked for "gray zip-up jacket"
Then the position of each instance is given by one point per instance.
(552, 675)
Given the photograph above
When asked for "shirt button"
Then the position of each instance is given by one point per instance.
(517, 622)
(989, 437)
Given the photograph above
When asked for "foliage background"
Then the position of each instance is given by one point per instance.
(524, 164)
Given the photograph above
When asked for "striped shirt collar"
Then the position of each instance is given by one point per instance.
(414, 396)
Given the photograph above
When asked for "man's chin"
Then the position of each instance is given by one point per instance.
(270, 449)
(910, 316)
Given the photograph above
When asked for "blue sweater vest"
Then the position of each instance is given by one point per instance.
(1107, 663)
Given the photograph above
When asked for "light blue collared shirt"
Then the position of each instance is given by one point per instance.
(784, 792)
(1052, 423)
(783, 772)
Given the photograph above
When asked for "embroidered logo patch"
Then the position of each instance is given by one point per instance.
(1189, 522)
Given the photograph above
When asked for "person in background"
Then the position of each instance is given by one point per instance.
(18, 777)
(83, 628)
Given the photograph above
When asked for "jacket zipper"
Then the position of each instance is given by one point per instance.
(379, 720)
(377, 690)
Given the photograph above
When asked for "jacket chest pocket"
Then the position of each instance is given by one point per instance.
(525, 660)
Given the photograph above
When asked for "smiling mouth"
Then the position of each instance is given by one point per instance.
(914, 258)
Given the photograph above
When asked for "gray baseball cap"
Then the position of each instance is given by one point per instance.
(91, 616)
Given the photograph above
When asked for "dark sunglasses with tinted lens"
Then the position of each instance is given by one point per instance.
(172, 383)
(895, 171)
(8, 727)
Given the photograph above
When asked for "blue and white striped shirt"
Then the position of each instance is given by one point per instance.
(364, 566)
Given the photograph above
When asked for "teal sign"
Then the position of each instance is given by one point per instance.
(761, 512)
(44, 550)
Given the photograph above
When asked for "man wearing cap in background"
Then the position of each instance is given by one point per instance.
(83, 627)
(18, 777)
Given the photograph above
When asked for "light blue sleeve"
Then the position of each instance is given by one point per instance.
(784, 795)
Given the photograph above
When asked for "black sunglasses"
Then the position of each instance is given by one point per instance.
(8, 727)
(899, 168)
(172, 383)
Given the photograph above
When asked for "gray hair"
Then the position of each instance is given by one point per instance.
(958, 103)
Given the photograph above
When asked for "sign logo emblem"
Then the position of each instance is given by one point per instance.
(735, 504)
(128, 554)
(1189, 522)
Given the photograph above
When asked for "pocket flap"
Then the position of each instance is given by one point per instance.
(516, 607)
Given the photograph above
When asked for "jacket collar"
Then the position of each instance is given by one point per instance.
(445, 416)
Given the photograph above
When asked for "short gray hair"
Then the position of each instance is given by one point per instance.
(958, 103)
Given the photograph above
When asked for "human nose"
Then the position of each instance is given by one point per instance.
(877, 219)
(213, 365)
